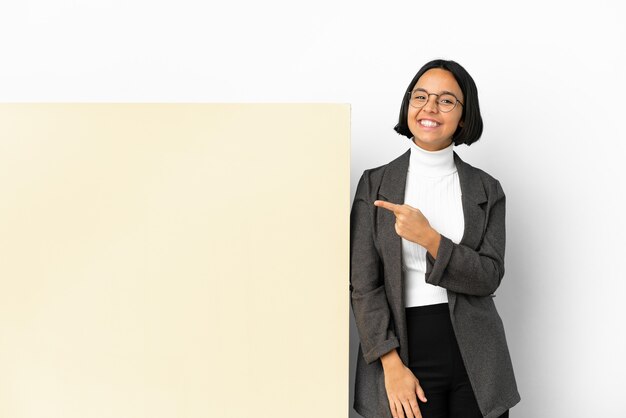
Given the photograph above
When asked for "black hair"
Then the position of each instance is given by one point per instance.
(472, 121)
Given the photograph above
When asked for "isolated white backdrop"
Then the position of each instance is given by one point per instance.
(551, 87)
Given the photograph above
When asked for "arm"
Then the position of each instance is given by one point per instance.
(367, 287)
(475, 272)
(371, 309)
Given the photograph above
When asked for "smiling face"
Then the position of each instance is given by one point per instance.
(432, 129)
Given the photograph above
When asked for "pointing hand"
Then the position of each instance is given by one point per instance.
(412, 225)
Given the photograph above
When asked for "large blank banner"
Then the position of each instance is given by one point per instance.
(174, 260)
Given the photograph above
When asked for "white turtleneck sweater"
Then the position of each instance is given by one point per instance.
(433, 187)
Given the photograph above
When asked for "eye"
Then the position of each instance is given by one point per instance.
(447, 99)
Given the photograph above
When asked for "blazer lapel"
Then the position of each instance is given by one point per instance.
(473, 199)
(392, 189)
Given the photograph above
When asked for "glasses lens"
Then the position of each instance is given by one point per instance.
(418, 98)
(446, 102)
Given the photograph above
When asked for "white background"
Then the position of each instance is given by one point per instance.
(551, 85)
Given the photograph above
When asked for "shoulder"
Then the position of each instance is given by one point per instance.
(485, 176)
(374, 176)
(479, 182)
(491, 184)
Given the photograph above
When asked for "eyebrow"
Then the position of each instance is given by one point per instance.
(439, 94)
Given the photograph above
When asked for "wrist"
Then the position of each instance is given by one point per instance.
(391, 360)
(433, 242)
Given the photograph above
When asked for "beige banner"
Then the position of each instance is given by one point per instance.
(174, 260)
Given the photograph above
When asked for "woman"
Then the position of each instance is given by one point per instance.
(426, 256)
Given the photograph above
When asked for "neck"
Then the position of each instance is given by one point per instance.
(432, 163)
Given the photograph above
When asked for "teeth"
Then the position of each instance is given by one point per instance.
(428, 123)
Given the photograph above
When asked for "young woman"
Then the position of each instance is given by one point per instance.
(426, 256)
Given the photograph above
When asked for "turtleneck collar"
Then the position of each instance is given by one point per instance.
(432, 163)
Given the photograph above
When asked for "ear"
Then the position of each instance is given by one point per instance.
(461, 124)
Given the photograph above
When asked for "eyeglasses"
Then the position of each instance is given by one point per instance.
(446, 102)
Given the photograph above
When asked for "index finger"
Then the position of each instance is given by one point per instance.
(387, 205)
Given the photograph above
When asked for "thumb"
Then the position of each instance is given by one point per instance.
(420, 393)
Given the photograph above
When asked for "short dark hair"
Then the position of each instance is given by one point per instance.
(472, 121)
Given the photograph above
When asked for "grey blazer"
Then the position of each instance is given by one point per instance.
(471, 272)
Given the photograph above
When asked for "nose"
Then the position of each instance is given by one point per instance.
(431, 105)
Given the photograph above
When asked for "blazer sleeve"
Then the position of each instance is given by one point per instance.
(367, 286)
(462, 269)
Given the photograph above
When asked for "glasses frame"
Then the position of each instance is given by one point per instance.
(410, 93)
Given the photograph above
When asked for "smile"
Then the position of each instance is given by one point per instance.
(428, 123)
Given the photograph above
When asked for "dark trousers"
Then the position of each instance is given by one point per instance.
(435, 359)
